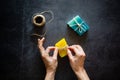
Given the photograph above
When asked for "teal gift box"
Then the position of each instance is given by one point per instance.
(78, 25)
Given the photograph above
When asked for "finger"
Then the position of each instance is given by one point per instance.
(41, 41)
(40, 44)
(74, 49)
(55, 53)
(69, 54)
(80, 49)
(49, 49)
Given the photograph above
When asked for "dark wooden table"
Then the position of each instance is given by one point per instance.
(19, 55)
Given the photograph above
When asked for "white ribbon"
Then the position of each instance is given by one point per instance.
(80, 27)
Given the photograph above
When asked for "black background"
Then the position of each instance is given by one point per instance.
(19, 55)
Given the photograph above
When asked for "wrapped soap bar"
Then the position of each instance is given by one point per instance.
(62, 47)
(78, 25)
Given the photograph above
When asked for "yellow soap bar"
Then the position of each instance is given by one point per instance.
(62, 47)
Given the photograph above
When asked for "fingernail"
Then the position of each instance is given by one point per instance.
(38, 39)
(43, 38)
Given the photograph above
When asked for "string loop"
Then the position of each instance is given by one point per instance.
(42, 22)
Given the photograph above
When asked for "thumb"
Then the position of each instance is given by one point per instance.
(69, 54)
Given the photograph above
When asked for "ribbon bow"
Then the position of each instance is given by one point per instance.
(80, 26)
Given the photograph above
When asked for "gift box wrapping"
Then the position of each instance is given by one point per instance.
(78, 25)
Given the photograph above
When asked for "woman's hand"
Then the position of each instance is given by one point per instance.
(49, 61)
(77, 57)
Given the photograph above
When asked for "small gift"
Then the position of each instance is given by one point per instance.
(62, 47)
(78, 25)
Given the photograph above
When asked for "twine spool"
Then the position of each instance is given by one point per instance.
(39, 20)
